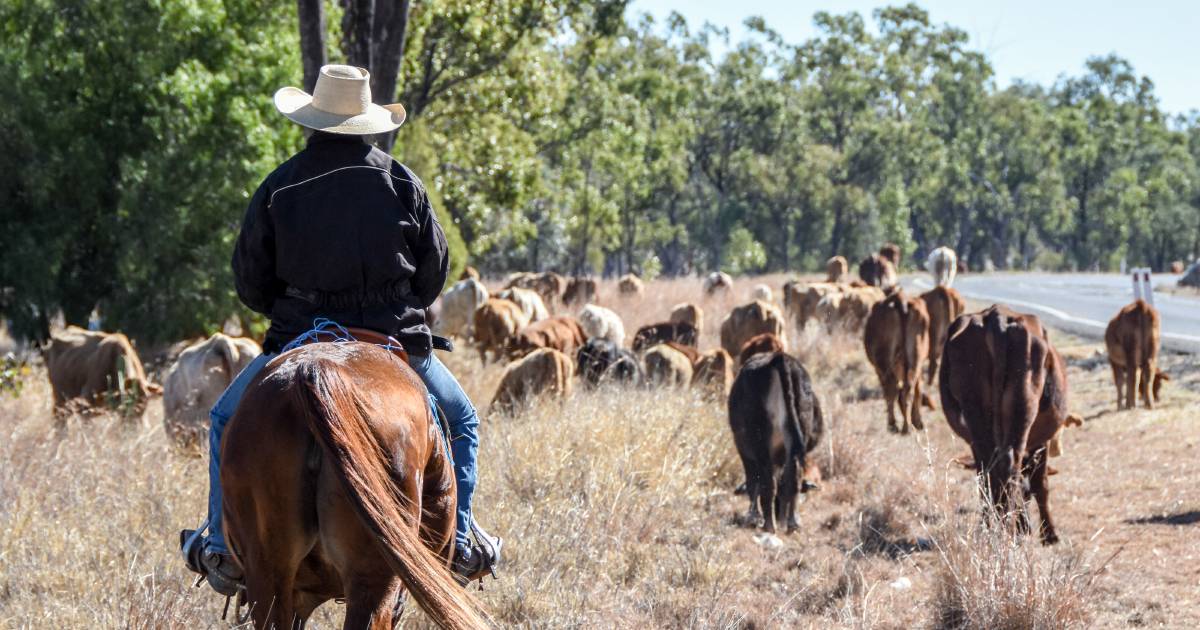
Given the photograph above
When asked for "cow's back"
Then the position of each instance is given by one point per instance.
(772, 407)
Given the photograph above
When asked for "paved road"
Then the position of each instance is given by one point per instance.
(1082, 303)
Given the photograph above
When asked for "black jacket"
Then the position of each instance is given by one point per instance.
(342, 231)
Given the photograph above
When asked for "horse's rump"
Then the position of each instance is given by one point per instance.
(336, 483)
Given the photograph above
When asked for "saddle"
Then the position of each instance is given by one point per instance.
(364, 335)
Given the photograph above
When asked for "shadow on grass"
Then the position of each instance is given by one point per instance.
(1182, 518)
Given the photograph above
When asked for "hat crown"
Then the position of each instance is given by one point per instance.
(342, 90)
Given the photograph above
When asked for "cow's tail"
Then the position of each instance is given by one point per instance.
(790, 381)
(337, 419)
(229, 353)
(994, 339)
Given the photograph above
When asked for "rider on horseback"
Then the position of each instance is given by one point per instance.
(344, 232)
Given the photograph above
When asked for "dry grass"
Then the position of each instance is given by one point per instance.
(617, 510)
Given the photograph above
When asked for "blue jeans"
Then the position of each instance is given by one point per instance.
(442, 386)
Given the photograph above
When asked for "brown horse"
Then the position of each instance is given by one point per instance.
(338, 485)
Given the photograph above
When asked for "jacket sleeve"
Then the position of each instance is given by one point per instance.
(431, 253)
(254, 257)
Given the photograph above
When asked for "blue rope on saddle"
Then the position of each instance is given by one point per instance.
(327, 330)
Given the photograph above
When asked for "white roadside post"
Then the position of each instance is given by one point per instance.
(1143, 288)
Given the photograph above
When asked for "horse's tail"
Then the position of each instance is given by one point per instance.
(339, 421)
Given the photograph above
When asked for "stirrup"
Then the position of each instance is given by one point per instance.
(191, 545)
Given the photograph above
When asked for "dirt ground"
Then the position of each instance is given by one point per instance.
(617, 509)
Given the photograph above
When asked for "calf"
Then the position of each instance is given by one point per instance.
(759, 344)
(944, 306)
(1132, 338)
(542, 372)
(496, 322)
(836, 269)
(877, 271)
(663, 332)
(749, 320)
(562, 333)
(602, 361)
(776, 422)
(669, 365)
(713, 373)
(91, 366)
(1004, 391)
(897, 343)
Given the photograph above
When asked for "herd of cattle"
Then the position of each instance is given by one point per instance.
(1002, 384)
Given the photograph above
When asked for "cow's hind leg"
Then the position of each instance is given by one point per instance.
(891, 391)
(1039, 485)
(766, 499)
(1145, 378)
(915, 403)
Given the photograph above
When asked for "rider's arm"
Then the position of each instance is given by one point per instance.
(430, 250)
(254, 257)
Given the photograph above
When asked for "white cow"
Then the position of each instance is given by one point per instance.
(601, 322)
(529, 301)
(717, 281)
(762, 292)
(457, 316)
(943, 264)
(196, 381)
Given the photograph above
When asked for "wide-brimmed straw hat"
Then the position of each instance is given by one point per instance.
(340, 103)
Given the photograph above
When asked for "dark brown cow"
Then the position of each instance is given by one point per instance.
(891, 251)
(653, 334)
(562, 333)
(759, 344)
(877, 271)
(1132, 338)
(776, 422)
(580, 291)
(897, 343)
(944, 305)
(602, 361)
(91, 366)
(1004, 391)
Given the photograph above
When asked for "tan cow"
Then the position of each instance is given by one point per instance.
(95, 366)
(713, 373)
(1132, 338)
(836, 269)
(542, 372)
(496, 322)
(630, 286)
(197, 379)
(749, 320)
(562, 332)
(469, 272)
(897, 343)
(668, 365)
(944, 305)
(856, 305)
(688, 313)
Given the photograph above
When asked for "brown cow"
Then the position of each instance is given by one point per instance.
(543, 371)
(563, 333)
(759, 344)
(1177, 266)
(713, 373)
(944, 305)
(630, 286)
(877, 271)
(897, 342)
(1132, 338)
(497, 321)
(891, 251)
(688, 313)
(580, 291)
(749, 320)
(776, 422)
(548, 285)
(836, 269)
(651, 334)
(667, 364)
(1004, 391)
(95, 367)
(469, 272)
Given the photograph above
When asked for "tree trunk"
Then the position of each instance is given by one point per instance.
(358, 20)
(312, 40)
(388, 40)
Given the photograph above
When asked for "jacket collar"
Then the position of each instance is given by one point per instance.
(324, 137)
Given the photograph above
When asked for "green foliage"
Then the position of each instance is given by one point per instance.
(569, 135)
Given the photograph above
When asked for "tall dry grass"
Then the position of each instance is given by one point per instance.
(616, 505)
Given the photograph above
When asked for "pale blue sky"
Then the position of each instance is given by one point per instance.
(1024, 39)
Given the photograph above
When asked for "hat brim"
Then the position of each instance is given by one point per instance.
(296, 106)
